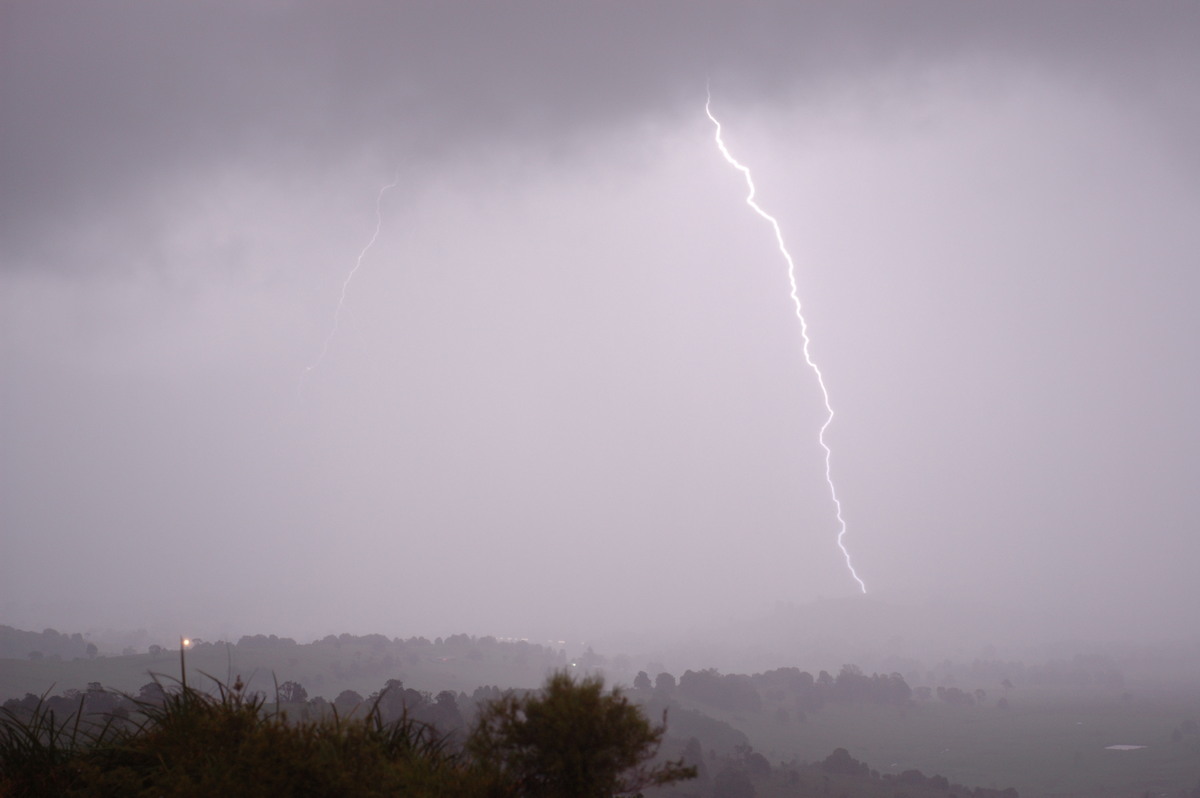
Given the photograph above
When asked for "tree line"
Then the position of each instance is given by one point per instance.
(735, 692)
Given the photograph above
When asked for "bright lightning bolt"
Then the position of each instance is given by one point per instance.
(337, 313)
(803, 334)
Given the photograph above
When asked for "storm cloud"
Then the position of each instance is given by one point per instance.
(565, 394)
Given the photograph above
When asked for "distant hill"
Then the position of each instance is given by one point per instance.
(19, 644)
(324, 667)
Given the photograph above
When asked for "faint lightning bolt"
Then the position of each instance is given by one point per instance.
(337, 313)
(803, 334)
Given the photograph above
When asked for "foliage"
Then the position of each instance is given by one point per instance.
(840, 761)
(196, 744)
(573, 740)
(37, 748)
(733, 692)
(746, 774)
(19, 644)
(291, 693)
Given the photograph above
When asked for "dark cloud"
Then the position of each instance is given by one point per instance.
(107, 103)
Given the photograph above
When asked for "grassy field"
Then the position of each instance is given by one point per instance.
(1048, 743)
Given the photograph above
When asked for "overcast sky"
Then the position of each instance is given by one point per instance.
(565, 393)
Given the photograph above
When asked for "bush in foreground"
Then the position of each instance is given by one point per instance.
(196, 744)
(571, 739)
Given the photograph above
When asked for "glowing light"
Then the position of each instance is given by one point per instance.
(337, 313)
(791, 270)
(187, 643)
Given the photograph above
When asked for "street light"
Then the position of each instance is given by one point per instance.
(184, 644)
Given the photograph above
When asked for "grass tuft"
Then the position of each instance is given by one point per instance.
(199, 744)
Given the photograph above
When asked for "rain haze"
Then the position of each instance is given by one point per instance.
(564, 395)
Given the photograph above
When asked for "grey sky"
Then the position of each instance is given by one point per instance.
(566, 396)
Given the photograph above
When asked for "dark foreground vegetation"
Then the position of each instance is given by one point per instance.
(1068, 727)
(570, 739)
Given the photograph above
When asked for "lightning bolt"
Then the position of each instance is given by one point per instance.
(358, 262)
(791, 270)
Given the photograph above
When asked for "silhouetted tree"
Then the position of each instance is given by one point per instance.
(664, 683)
(390, 700)
(590, 659)
(347, 700)
(840, 761)
(572, 740)
(151, 693)
(292, 693)
(442, 713)
(733, 692)
(755, 763)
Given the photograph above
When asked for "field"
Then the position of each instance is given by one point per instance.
(1047, 743)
